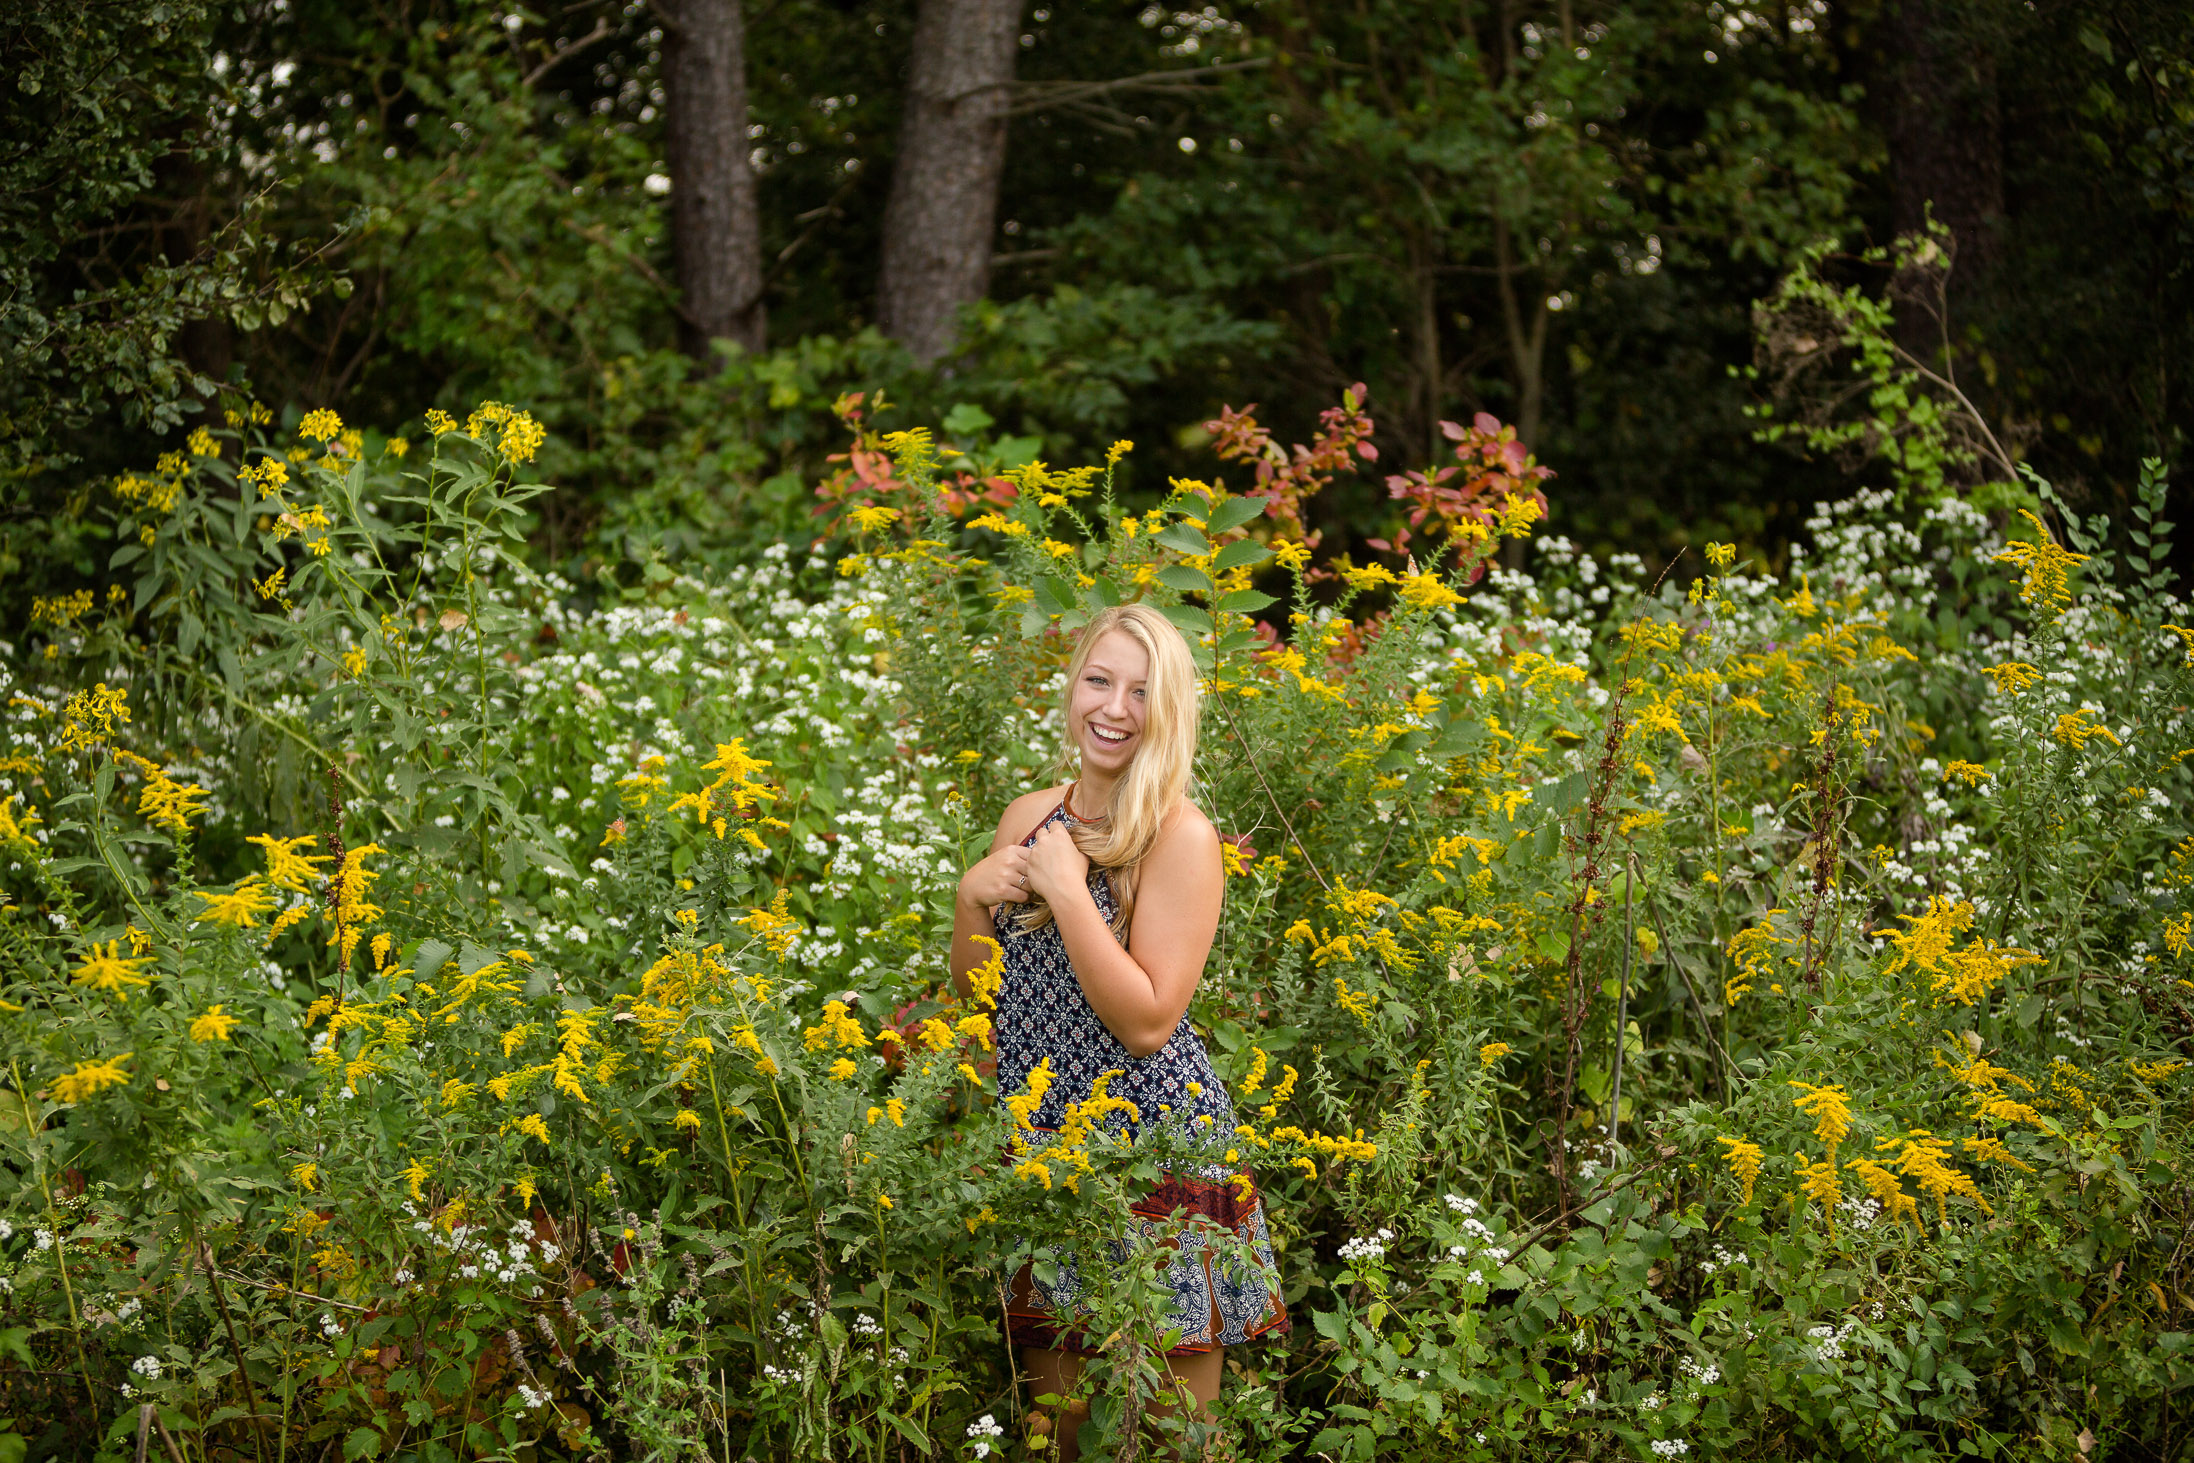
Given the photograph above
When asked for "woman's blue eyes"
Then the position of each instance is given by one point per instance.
(1100, 680)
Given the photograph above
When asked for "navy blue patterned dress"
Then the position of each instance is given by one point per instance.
(1217, 1299)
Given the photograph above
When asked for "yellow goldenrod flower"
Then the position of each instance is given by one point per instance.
(533, 1127)
(306, 1176)
(2013, 677)
(238, 907)
(1492, 1052)
(688, 1119)
(287, 867)
(90, 1078)
(1817, 1181)
(1744, 1158)
(455, 1091)
(415, 1177)
(1830, 1108)
(104, 969)
(1924, 1158)
(2044, 567)
(321, 425)
(214, 1025)
(2075, 729)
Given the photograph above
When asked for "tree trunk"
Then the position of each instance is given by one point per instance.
(716, 229)
(944, 187)
(1945, 143)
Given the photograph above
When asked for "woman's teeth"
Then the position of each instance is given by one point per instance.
(1103, 735)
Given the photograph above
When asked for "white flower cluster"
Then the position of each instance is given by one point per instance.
(1828, 1341)
(147, 1367)
(1723, 1259)
(1367, 1247)
(982, 1432)
(1699, 1374)
(530, 1399)
(1670, 1448)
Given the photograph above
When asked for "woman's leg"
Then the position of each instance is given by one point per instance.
(1054, 1373)
(1198, 1376)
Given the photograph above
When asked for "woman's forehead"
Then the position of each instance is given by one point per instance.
(1120, 653)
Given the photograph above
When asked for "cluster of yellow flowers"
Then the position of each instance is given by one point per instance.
(1964, 976)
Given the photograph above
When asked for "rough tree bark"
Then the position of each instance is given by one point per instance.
(952, 152)
(1945, 140)
(716, 228)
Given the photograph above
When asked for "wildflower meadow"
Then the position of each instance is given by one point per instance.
(453, 1010)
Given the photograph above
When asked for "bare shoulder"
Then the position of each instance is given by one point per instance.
(1021, 815)
(1186, 836)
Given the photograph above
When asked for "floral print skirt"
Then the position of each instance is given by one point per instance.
(1220, 1295)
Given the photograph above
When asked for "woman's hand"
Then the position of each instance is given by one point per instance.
(1001, 878)
(1057, 869)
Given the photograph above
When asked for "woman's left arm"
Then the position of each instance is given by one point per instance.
(1140, 996)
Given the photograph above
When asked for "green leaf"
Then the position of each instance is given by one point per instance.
(1560, 797)
(1188, 619)
(1233, 513)
(363, 1442)
(909, 1429)
(1331, 1326)
(1049, 599)
(1246, 601)
(1185, 579)
(1241, 551)
(1183, 539)
(427, 961)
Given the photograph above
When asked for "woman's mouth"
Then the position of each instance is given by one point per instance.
(1107, 735)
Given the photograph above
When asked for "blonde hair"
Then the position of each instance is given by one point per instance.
(1121, 836)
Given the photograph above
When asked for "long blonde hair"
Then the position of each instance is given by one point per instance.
(1121, 836)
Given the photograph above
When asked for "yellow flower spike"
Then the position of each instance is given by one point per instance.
(873, 1114)
(1830, 1108)
(533, 1127)
(236, 908)
(885, 1200)
(1817, 1181)
(2013, 677)
(306, 1176)
(1745, 1159)
(321, 425)
(986, 979)
(687, 1119)
(455, 1092)
(843, 1069)
(214, 1024)
(2045, 568)
(415, 1178)
(107, 970)
(526, 1190)
(1492, 1052)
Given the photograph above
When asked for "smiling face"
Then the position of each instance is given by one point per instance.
(1106, 712)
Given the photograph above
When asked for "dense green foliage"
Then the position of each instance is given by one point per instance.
(455, 1011)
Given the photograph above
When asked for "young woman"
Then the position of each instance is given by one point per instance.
(1104, 894)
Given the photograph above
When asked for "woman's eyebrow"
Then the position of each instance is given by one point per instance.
(1106, 670)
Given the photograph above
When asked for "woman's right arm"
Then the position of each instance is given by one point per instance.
(998, 878)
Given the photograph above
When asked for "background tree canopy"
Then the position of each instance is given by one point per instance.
(1073, 223)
